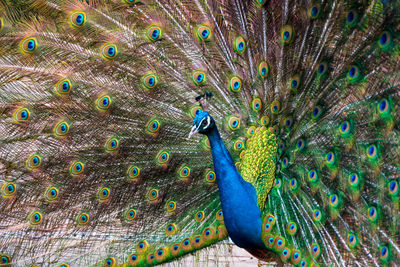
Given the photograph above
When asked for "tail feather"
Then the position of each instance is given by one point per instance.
(96, 168)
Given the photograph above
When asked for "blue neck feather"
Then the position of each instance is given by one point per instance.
(242, 215)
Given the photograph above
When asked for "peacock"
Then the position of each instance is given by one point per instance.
(134, 132)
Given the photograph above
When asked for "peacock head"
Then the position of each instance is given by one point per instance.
(203, 123)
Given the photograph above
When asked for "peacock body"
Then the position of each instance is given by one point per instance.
(297, 108)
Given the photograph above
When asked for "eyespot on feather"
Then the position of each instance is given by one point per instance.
(263, 69)
(256, 104)
(287, 122)
(384, 253)
(35, 218)
(21, 115)
(175, 249)
(186, 244)
(61, 129)
(345, 129)
(209, 234)
(111, 144)
(133, 173)
(130, 2)
(239, 45)
(354, 74)
(238, 145)
(219, 215)
(317, 215)
(330, 158)
(384, 108)
(291, 228)
(203, 32)
(278, 183)
(103, 102)
(314, 11)
(233, 123)
(279, 243)
(28, 45)
(8, 189)
(199, 77)
(393, 188)
(316, 112)
(76, 168)
(300, 145)
(385, 41)
(183, 172)
(150, 258)
(287, 34)
(142, 246)
(264, 121)
(275, 107)
(235, 84)
(205, 143)
(294, 82)
(269, 241)
(130, 214)
(296, 257)
(373, 214)
(251, 130)
(315, 250)
(352, 240)
(261, 2)
(77, 19)
(152, 195)
(171, 229)
(372, 152)
(171, 206)
(334, 200)
(285, 254)
(63, 87)
(199, 216)
(5, 259)
(150, 80)
(313, 176)
(210, 177)
(110, 262)
(82, 219)
(51, 194)
(103, 194)
(294, 184)
(163, 157)
(322, 69)
(285, 163)
(108, 51)
(154, 33)
(134, 258)
(33, 162)
(352, 18)
(195, 110)
(161, 254)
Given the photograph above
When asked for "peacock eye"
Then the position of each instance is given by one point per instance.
(204, 123)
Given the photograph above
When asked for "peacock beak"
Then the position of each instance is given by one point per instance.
(193, 131)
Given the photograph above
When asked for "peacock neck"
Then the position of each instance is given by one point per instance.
(242, 215)
(218, 148)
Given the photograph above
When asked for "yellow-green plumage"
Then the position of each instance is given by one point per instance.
(97, 99)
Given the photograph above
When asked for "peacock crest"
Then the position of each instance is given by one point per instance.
(292, 108)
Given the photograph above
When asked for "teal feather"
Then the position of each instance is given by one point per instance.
(298, 102)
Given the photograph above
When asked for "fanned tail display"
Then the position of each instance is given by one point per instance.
(297, 101)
